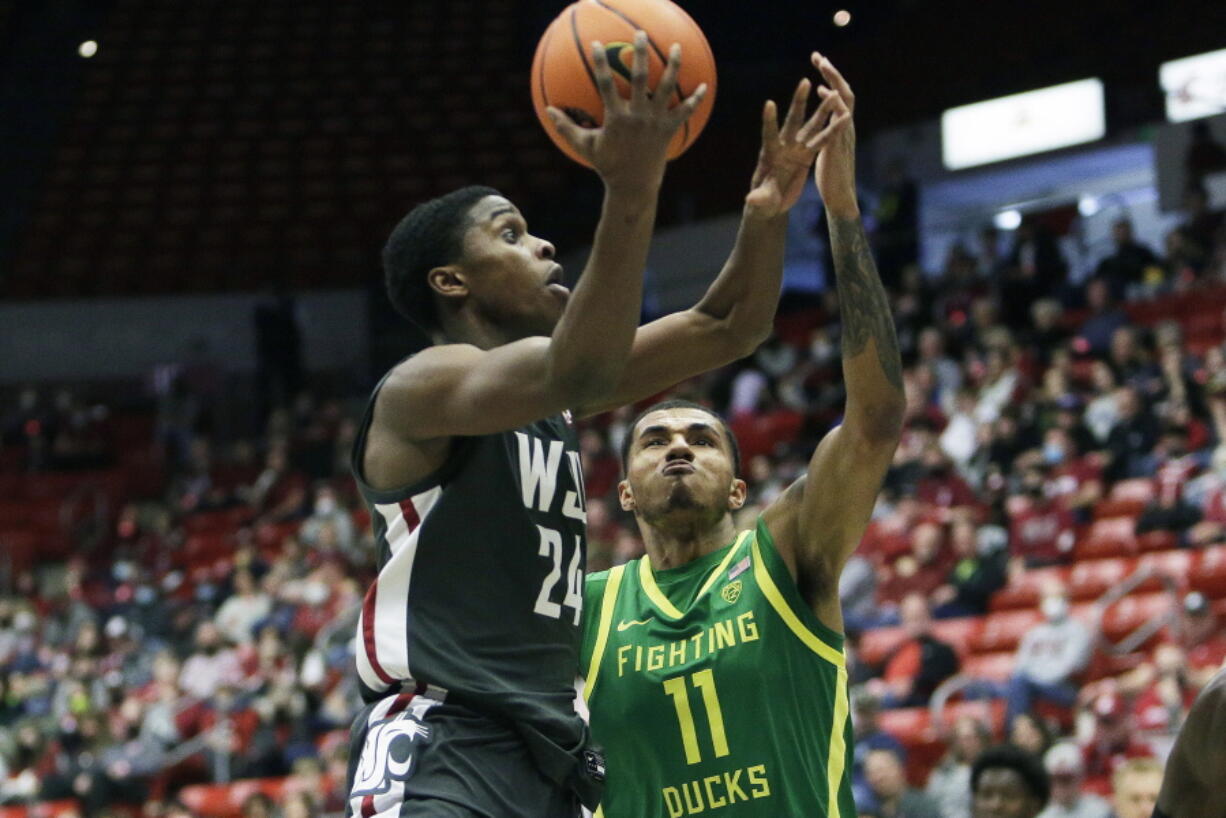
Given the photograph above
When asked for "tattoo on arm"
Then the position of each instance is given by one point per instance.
(863, 303)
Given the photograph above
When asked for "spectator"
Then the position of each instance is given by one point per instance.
(1007, 781)
(1132, 265)
(918, 665)
(243, 610)
(211, 665)
(949, 785)
(1067, 771)
(1104, 319)
(1134, 788)
(977, 573)
(327, 513)
(919, 572)
(865, 709)
(857, 593)
(1201, 638)
(259, 805)
(1050, 657)
(1041, 530)
(1030, 733)
(1163, 704)
(895, 798)
(946, 372)
(1113, 742)
(1103, 411)
(1131, 441)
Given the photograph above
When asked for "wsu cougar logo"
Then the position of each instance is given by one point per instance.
(388, 754)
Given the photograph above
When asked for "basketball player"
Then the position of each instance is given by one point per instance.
(467, 642)
(714, 664)
(1194, 785)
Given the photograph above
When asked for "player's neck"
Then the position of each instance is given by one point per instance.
(466, 328)
(671, 546)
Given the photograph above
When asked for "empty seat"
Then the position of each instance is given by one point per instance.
(1111, 537)
(1004, 630)
(1090, 579)
(876, 645)
(1023, 590)
(958, 633)
(994, 666)
(1126, 499)
(1131, 612)
(1210, 575)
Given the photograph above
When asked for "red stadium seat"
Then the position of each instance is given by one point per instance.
(1023, 590)
(958, 633)
(226, 800)
(1157, 541)
(1112, 537)
(876, 645)
(994, 666)
(1004, 630)
(1127, 498)
(1089, 579)
(1210, 575)
(225, 520)
(1129, 613)
(1176, 564)
(45, 809)
(910, 725)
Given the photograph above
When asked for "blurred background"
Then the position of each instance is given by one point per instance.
(192, 315)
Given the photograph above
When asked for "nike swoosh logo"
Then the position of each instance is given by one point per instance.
(627, 624)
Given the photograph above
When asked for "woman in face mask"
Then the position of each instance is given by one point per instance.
(1050, 658)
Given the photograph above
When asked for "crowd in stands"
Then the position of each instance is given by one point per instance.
(204, 633)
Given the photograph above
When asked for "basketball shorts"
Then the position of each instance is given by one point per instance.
(414, 756)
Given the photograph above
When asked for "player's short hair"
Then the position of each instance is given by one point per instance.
(677, 403)
(1027, 765)
(1133, 766)
(431, 235)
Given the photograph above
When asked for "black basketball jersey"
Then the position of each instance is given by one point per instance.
(480, 584)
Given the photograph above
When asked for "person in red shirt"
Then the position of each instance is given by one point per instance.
(1041, 530)
(1163, 705)
(1075, 481)
(921, 571)
(1114, 741)
(941, 486)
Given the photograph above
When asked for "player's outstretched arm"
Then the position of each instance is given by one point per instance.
(455, 390)
(819, 520)
(737, 312)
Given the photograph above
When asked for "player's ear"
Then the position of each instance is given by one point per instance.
(448, 281)
(625, 495)
(737, 494)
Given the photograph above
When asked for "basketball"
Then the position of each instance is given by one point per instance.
(562, 68)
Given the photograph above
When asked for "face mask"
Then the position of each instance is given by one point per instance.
(325, 506)
(1054, 608)
(1053, 454)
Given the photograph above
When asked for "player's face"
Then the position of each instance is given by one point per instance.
(509, 273)
(680, 469)
(1003, 794)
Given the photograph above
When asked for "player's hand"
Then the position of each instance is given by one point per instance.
(788, 152)
(630, 148)
(835, 172)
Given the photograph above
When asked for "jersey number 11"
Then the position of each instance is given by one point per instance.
(703, 680)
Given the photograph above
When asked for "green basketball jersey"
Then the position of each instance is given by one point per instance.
(715, 689)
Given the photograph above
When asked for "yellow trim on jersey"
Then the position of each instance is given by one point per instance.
(647, 579)
(789, 617)
(607, 603)
(837, 755)
(723, 565)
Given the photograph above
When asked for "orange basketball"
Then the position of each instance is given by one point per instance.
(562, 68)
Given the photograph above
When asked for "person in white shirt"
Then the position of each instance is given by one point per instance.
(1067, 770)
(1050, 656)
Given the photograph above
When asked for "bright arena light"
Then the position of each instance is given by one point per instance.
(87, 49)
(1088, 205)
(1007, 220)
(842, 17)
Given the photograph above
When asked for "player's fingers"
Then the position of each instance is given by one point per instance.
(604, 78)
(686, 109)
(833, 76)
(837, 125)
(638, 72)
(796, 111)
(668, 80)
(770, 124)
(829, 105)
(569, 129)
